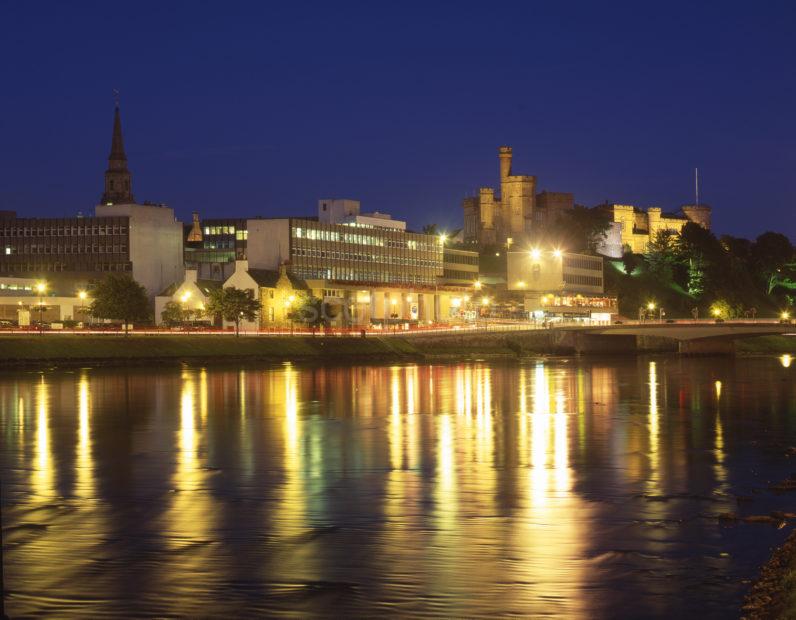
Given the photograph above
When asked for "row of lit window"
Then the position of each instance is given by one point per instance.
(61, 231)
(389, 241)
(573, 278)
(455, 274)
(389, 259)
(58, 266)
(240, 235)
(579, 262)
(340, 273)
(461, 259)
(66, 249)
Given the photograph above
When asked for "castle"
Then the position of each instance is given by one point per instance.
(633, 229)
(519, 210)
(507, 219)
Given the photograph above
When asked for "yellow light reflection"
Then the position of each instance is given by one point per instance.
(43, 476)
(653, 480)
(540, 433)
(786, 360)
(445, 491)
(718, 447)
(395, 430)
(85, 462)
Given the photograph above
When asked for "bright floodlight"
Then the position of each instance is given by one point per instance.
(650, 306)
(443, 238)
(535, 253)
(485, 301)
(557, 253)
(82, 294)
(41, 287)
(786, 315)
(477, 285)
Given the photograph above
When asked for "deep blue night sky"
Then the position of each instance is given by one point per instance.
(243, 109)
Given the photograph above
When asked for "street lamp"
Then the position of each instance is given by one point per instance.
(41, 287)
(536, 253)
(785, 315)
(484, 304)
(477, 285)
(557, 253)
(394, 315)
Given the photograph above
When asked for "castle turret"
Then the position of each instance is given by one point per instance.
(504, 153)
(118, 182)
(699, 214)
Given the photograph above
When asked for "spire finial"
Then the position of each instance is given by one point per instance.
(116, 97)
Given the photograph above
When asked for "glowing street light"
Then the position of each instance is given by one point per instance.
(557, 253)
(477, 285)
(536, 253)
(651, 306)
(485, 301)
(81, 295)
(443, 238)
(785, 315)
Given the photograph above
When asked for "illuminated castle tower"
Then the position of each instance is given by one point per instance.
(494, 220)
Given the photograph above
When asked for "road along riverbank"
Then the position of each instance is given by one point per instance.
(33, 349)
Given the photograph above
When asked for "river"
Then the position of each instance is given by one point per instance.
(575, 488)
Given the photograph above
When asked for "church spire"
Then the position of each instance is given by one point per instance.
(118, 182)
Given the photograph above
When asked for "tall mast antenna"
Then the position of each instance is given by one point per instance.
(696, 185)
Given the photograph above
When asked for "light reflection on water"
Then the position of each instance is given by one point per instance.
(562, 487)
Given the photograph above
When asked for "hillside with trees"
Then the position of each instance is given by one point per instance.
(696, 273)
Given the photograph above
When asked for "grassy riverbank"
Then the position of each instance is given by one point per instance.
(26, 350)
(767, 344)
(773, 595)
(18, 350)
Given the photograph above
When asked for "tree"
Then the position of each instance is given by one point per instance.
(430, 229)
(661, 254)
(770, 252)
(233, 304)
(119, 298)
(630, 261)
(174, 313)
(309, 310)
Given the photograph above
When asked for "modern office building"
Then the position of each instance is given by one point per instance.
(459, 267)
(144, 240)
(367, 264)
(212, 246)
(560, 285)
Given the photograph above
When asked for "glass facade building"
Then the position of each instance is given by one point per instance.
(366, 254)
